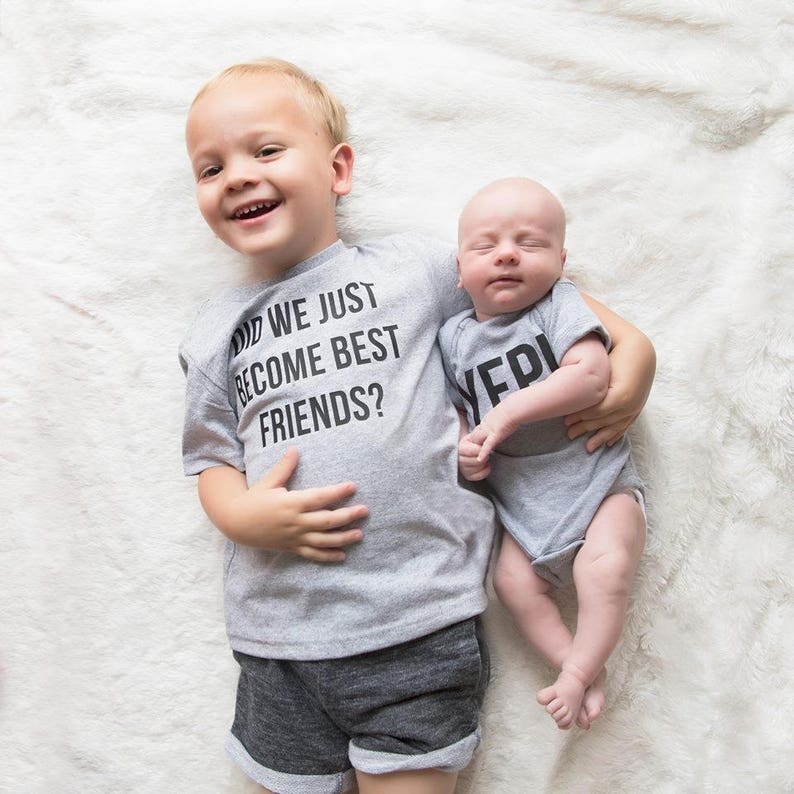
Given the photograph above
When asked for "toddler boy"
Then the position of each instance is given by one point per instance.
(529, 353)
(373, 660)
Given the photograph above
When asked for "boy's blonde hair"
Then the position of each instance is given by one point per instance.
(318, 99)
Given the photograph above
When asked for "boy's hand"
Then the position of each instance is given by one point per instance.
(471, 467)
(608, 420)
(633, 364)
(270, 516)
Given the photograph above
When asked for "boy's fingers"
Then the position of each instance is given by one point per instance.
(587, 426)
(318, 555)
(574, 431)
(278, 476)
(318, 498)
(607, 435)
(331, 540)
(485, 452)
(324, 520)
(477, 435)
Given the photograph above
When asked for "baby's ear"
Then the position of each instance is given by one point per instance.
(563, 256)
(457, 266)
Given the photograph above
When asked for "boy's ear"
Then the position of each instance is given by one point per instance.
(457, 266)
(563, 256)
(342, 164)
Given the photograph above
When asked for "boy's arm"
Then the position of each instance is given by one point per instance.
(269, 516)
(581, 380)
(633, 364)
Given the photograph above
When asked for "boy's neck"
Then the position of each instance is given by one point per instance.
(261, 271)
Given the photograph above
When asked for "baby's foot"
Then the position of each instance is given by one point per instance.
(563, 699)
(593, 701)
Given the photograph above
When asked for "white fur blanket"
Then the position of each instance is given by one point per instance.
(667, 130)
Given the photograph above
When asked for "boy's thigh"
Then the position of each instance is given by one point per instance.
(414, 705)
(427, 781)
(281, 737)
(411, 706)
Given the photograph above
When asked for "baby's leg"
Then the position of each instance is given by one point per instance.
(526, 596)
(602, 572)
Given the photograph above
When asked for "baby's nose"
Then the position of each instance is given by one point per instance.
(507, 253)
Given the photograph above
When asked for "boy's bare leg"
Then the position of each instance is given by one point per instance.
(602, 572)
(526, 596)
(421, 781)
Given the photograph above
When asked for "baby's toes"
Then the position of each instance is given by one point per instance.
(545, 696)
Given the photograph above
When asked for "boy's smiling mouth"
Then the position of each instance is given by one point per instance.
(256, 210)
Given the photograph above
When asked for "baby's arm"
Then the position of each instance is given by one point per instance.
(633, 364)
(269, 516)
(469, 463)
(581, 380)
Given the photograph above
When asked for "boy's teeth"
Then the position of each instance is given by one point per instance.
(255, 208)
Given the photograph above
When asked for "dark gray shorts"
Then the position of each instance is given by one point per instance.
(301, 727)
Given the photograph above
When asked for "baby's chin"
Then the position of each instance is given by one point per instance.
(507, 305)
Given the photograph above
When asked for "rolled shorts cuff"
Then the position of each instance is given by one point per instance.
(452, 758)
(285, 782)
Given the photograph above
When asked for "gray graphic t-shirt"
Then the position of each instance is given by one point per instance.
(546, 488)
(339, 357)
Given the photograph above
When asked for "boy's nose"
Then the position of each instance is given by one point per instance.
(239, 175)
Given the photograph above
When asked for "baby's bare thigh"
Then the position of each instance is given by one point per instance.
(513, 566)
(619, 524)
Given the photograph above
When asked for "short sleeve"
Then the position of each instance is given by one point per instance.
(447, 341)
(567, 318)
(439, 259)
(209, 436)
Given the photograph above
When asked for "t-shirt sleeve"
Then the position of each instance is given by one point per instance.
(447, 338)
(567, 319)
(442, 274)
(209, 436)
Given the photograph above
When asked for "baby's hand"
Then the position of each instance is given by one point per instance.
(471, 467)
(492, 431)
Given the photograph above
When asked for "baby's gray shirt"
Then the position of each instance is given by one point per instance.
(546, 488)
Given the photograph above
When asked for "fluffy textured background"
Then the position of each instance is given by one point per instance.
(667, 130)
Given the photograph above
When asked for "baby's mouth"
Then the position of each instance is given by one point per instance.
(255, 210)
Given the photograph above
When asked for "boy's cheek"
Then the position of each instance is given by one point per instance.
(207, 208)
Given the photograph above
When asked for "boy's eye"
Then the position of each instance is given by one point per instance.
(267, 151)
(209, 171)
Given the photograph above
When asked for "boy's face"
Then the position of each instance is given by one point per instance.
(267, 177)
(510, 251)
